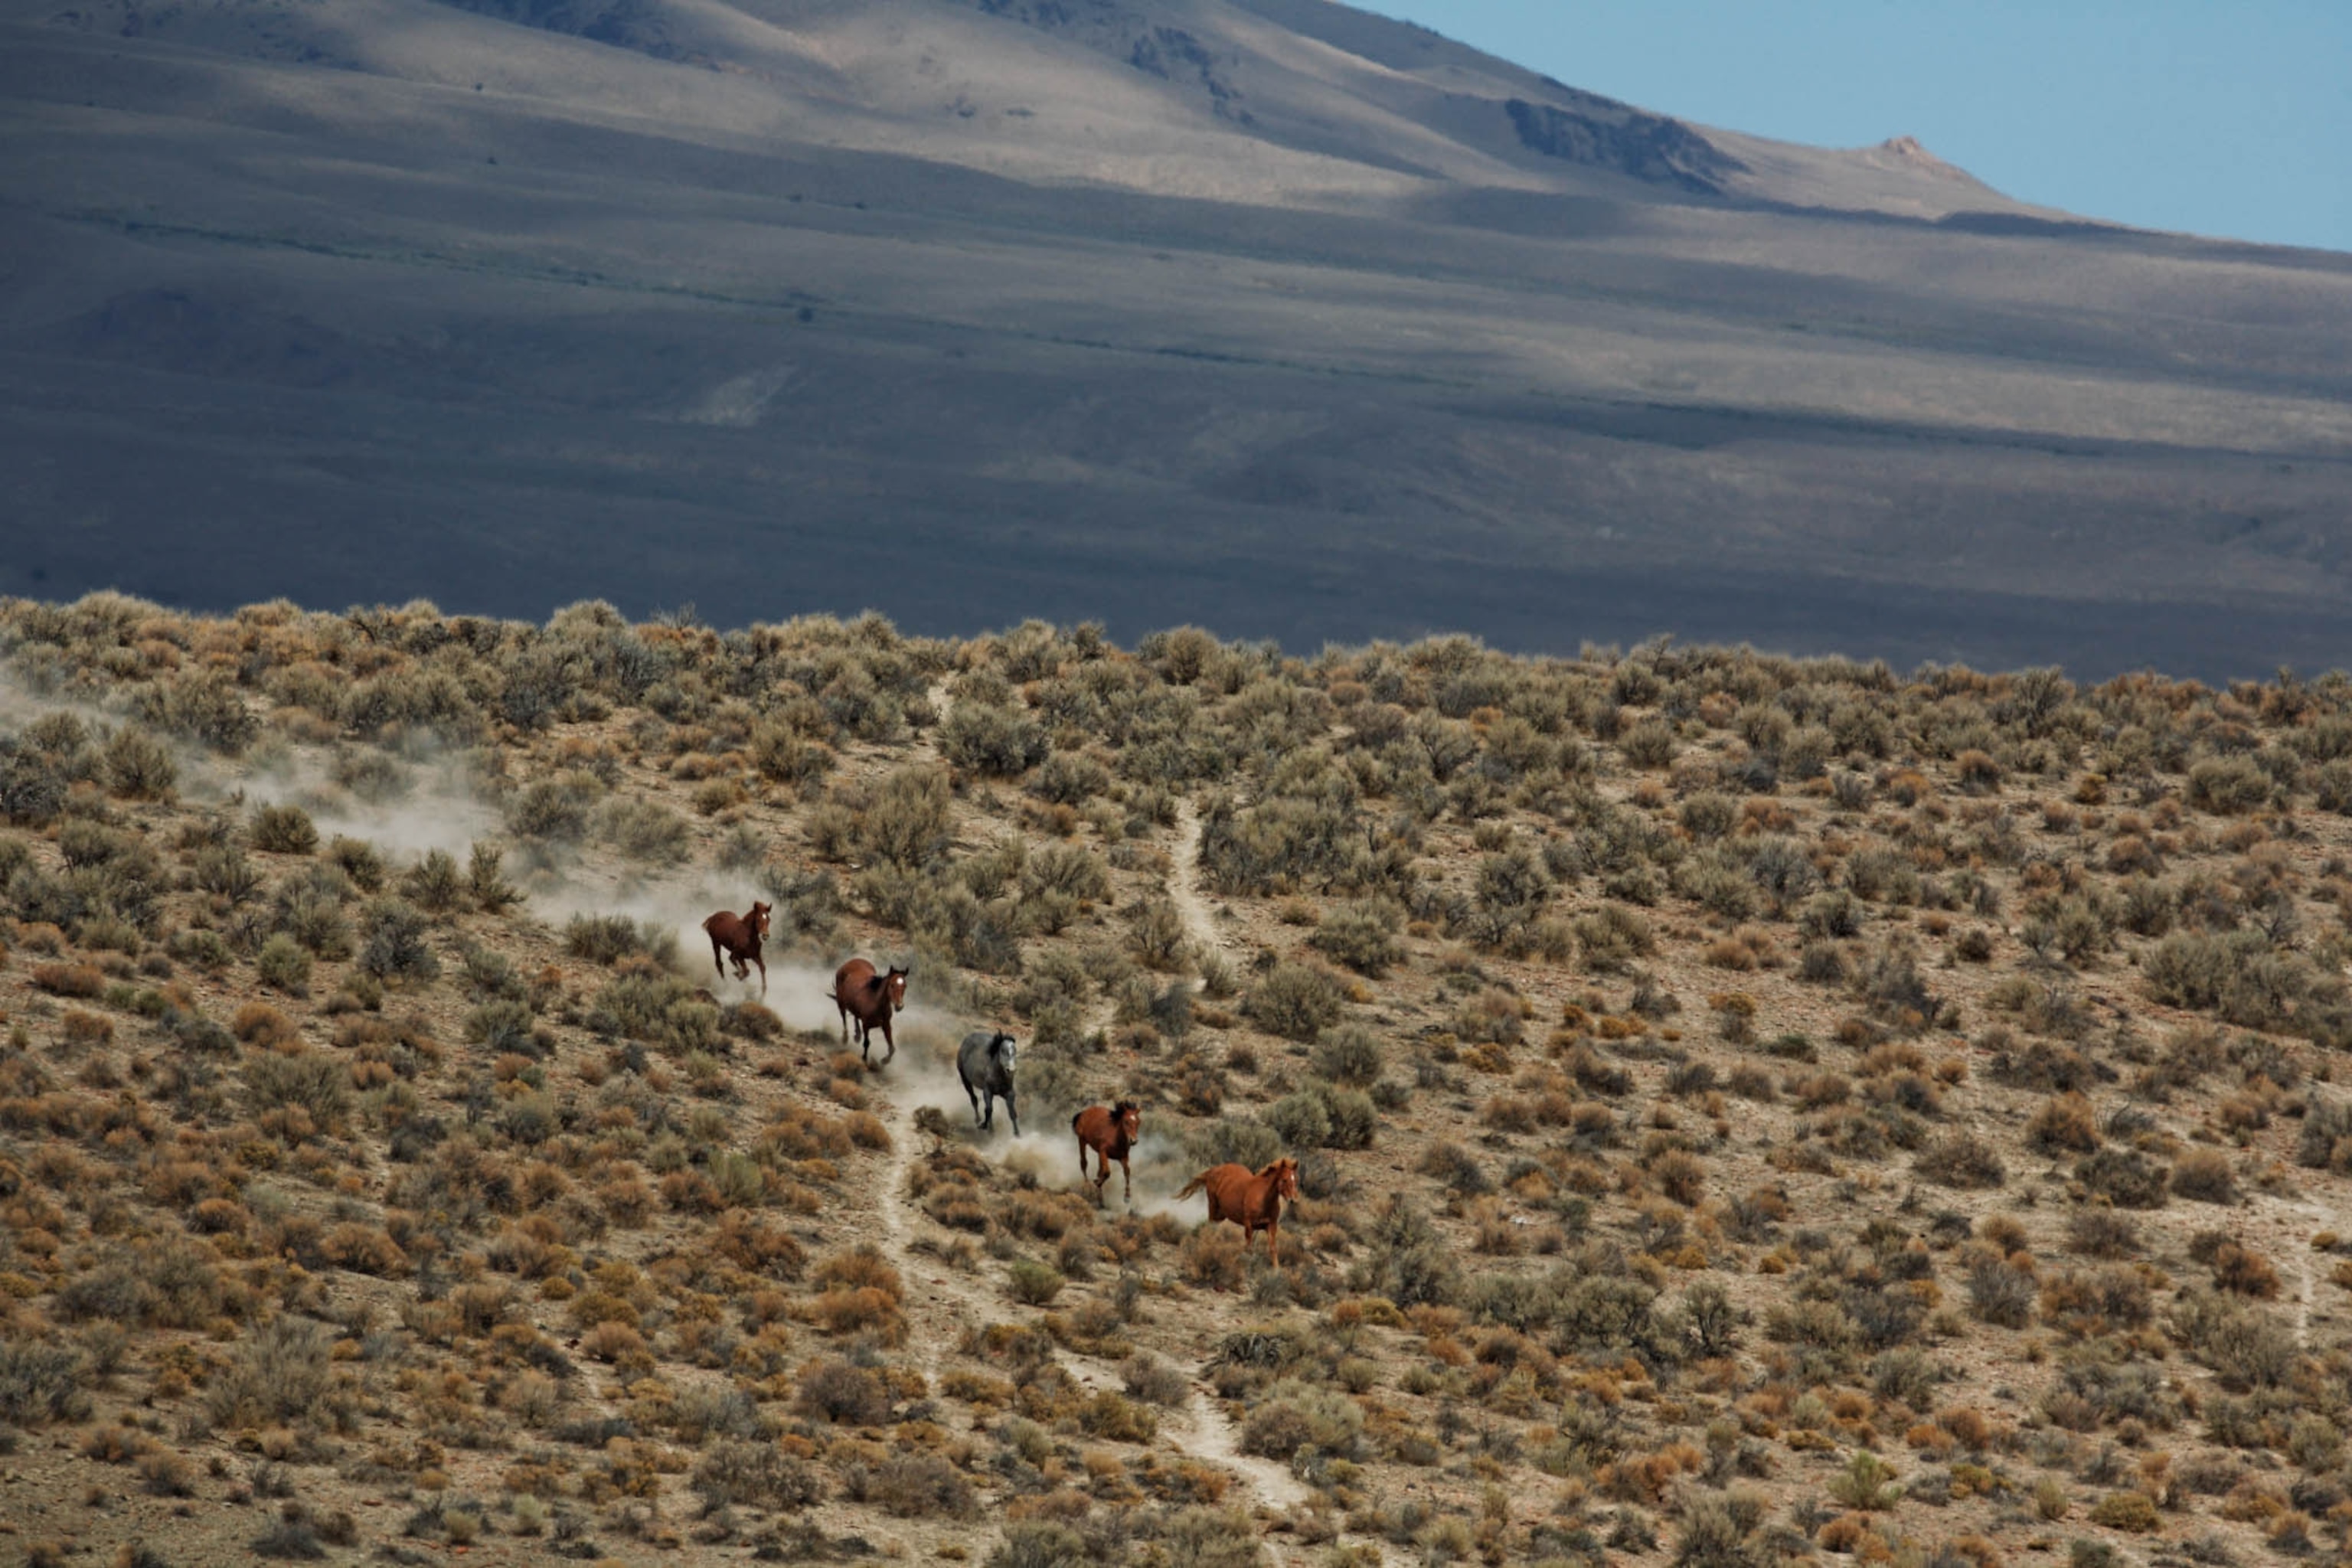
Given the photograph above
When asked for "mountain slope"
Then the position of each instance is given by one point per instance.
(1274, 315)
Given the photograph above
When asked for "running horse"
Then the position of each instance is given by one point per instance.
(1110, 1134)
(738, 937)
(1251, 1202)
(869, 998)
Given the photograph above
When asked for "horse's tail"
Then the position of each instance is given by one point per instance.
(1188, 1188)
(1081, 1116)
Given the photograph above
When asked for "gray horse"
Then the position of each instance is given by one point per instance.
(984, 1062)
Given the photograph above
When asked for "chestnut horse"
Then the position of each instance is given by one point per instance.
(736, 937)
(1110, 1134)
(1250, 1201)
(870, 999)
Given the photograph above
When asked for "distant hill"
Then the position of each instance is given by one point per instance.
(1269, 314)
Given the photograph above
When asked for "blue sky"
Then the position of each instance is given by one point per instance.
(2228, 117)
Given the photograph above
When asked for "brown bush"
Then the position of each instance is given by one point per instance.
(2203, 1175)
(78, 980)
(2064, 1124)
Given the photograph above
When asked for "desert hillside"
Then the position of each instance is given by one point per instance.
(1745, 1110)
(1268, 315)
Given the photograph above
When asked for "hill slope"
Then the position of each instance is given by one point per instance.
(1753, 1110)
(1273, 315)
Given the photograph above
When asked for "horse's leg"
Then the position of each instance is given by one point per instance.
(1127, 1175)
(717, 961)
(888, 1039)
(764, 975)
(1273, 1243)
(973, 1095)
(1014, 1111)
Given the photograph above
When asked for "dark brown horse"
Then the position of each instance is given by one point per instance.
(738, 937)
(1253, 1203)
(869, 998)
(1110, 1134)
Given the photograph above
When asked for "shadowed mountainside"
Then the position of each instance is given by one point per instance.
(1264, 313)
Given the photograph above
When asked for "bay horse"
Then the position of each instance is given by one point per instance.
(1110, 1134)
(869, 998)
(1251, 1202)
(738, 937)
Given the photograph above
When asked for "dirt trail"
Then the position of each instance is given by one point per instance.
(941, 1304)
(1184, 886)
(936, 1299)
(2309, 1290)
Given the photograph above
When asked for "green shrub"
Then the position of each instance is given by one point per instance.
(549, 810)
(358, 859)
(1295, 1415)
(1350, 1054)
(223, 871)
(284, 830)
(284, 965)
(393, 942)
(278, 1374)
(642, 829)
(1867, 1484)
(1611, 937)
(317, 1083)
(2229, 785)
(782, 754)
(139, 766)
(608, 939)
(433, 882)
(1363, 934)
(1297, 1001)
(911, 820)
(1040, 1543)
(992, 741)
(40, 1383)
(1032, 1284)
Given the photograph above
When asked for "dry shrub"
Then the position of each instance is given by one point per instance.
(2064, 1124)
(2242, 1271)
(913, 1486)
(614, 1342)
(834, 1390)
(1681, 1175)
(2203, 1175)
(1961, 1160)
(77, 980)
(362, 1249)
(280, 1373)
(755, 1474)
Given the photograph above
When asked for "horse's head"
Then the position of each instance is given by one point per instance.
(894, 984)
(1004, 1049)
(1128, 1118)
(1285, 1173)
(759, 917)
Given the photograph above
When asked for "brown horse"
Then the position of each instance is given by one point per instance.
(1253, 1203)
(870, 999)
(1110, 1134)
(736, 937)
